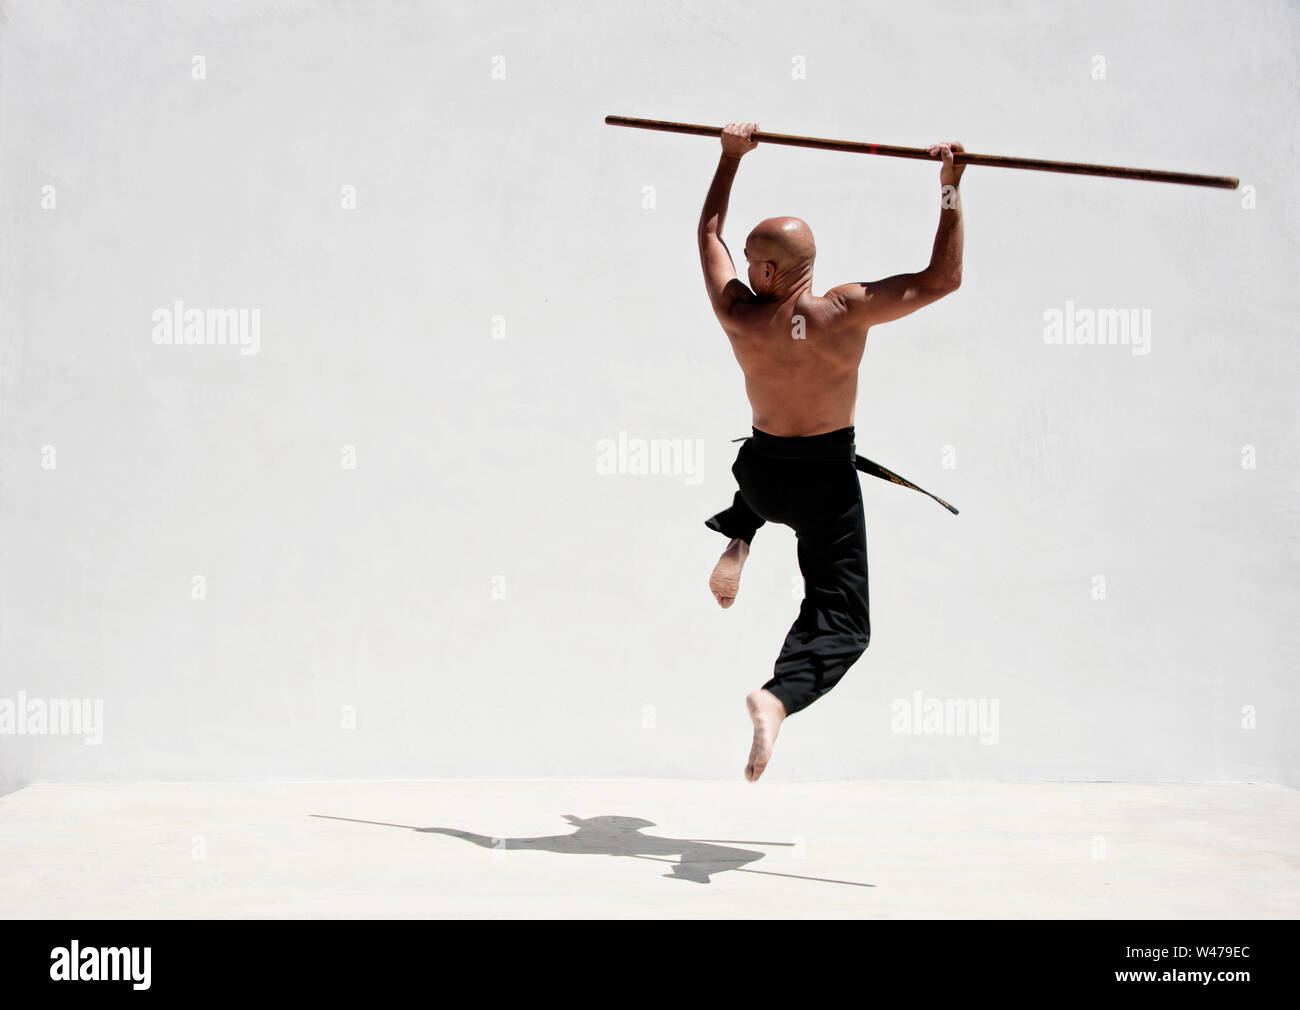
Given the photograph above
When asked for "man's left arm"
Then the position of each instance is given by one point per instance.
(720, 279)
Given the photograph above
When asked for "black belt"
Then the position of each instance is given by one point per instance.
(831, 452)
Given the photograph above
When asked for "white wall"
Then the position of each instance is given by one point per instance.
(476, 457)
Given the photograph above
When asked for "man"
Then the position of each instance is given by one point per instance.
(800, 354)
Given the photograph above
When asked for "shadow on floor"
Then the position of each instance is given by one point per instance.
(697, 859)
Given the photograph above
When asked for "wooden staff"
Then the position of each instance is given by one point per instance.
(965, 158)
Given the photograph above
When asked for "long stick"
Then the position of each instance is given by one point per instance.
(965, 158)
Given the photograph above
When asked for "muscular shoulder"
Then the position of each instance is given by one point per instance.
(734, 306)
(832, 313)
(838, 301)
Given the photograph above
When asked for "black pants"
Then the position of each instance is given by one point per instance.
(821, 500)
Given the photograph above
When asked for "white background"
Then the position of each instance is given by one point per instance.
(481, 197)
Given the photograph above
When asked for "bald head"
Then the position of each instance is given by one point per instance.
(785, 241)
(787, 244)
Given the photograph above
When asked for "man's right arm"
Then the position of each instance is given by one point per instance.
(882, 301)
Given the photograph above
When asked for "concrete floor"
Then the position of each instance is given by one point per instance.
(643, 848)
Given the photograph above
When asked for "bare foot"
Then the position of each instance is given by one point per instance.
(725, 580)
(768, 713)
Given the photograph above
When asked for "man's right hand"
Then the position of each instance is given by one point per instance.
(949, 173)
(735, 139)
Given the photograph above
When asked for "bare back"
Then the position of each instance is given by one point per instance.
(800, 358)
(800, 352)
